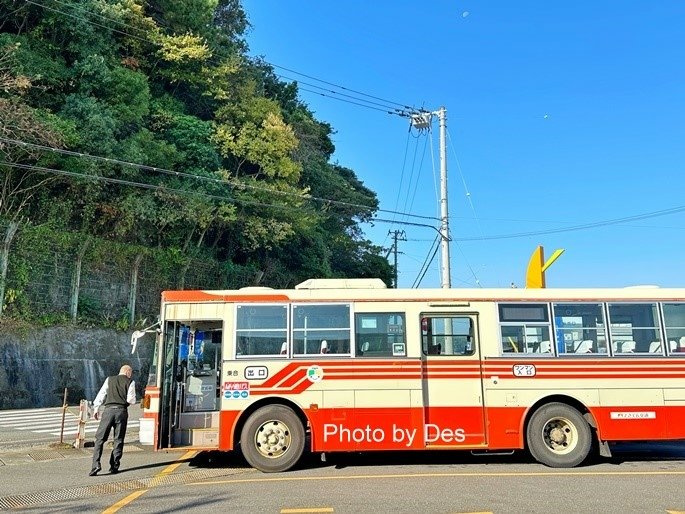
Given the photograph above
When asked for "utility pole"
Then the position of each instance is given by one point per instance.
(397, 235)
(422, 120)
(445, 279)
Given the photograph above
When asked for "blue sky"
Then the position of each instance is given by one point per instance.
(559, 115)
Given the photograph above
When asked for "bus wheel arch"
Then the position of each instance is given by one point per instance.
(560, 431)
(272, 434)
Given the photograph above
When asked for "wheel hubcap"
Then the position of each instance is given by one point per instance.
(560, 435)
(272, 439)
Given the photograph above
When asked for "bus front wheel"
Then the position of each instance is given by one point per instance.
(558, 436)
(272, 439)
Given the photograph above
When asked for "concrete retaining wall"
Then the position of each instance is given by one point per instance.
(37, 364)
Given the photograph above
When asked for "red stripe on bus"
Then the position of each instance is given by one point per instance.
(463, 427)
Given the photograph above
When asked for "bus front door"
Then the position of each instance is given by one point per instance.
(454, 414)
(190, 388)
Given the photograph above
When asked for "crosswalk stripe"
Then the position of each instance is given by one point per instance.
(49, 421)
(20, 411)
(39, 424)
(47, 430)
(47, 415)
(31, 416)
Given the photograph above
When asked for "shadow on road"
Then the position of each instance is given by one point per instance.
(621, 452)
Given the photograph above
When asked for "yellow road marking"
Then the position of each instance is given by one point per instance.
(136, 494)
(314, 509)
(122, 503)
(438, 475)
(676, 511)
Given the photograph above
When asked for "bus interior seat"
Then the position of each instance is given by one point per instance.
(434, 349)
(655, 347)
(364, 348)
(584, 346)
(284, 349)
(680, 347)
(545, 347)
(628, 347)
(672, 345)
(324, 346)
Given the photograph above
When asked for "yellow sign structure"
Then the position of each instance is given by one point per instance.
(535, 274)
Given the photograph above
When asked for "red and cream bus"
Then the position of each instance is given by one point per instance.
(359, 367)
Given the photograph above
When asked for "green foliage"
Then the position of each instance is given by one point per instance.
(128, 95)
(185, 15)
(96, 122)
(166, 84)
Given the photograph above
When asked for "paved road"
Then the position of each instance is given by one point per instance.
(640, 478)
(649, 482)
(20, 429)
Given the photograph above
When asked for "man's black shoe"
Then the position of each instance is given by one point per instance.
(114, 471)
(94, 472)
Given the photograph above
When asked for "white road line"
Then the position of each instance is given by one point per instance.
(44, 424)
(94, 427)
(49, 422)
(36, 415)
(47, 409)
(44, 427)
(9, 419)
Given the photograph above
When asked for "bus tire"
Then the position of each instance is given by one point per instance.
(558, 436)
(272, 439)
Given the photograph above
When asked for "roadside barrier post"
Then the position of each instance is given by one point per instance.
(82, 419)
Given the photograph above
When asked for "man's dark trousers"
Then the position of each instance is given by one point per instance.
(114, 416)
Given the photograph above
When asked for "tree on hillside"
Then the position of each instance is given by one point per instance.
(226, 162)
(20, 181)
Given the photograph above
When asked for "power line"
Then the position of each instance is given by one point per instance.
(383, 105)
(603, 223)
(463, 180)
(586, 226)
(427, 264)
(405, 110)
(38, 4)
(85, 11)
(208, 179)
(404, 106)
(166, 189)
(348, 101)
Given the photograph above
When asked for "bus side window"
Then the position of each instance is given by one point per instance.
(447, 335)
(380, 334)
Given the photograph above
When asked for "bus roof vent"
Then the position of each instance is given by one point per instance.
(342, 283)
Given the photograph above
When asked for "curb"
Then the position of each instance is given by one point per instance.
(44, 454)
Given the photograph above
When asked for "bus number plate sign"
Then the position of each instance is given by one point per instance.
(524, 370)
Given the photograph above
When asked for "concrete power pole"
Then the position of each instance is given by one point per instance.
(445, 278)
(397, 235)
(422, 121)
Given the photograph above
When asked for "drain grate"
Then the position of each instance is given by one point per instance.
(76, 493)
(45, 455)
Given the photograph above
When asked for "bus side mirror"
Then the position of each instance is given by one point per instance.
(134, 339)
(155, 327)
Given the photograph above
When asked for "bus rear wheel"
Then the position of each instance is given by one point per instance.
(272, 439)
(558, 436)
